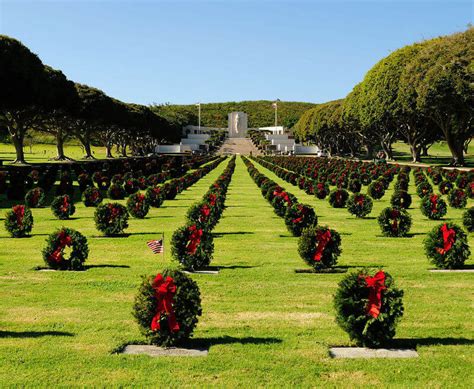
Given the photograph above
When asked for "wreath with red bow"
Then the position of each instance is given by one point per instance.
(167, 307)
(401, 199)
(19, 221)
(91, 197)
(66, 249)
(202, 215)
(298, 217)
(319, 247)
(281, 201)
(359, 205)
(368, 307)
(35, 198)
(116, 192)
(468, 219)
(321, 190)
(354, 185)
(63, 207)
(423, 189)
(394, 222)
(111, 218)
(192, 247)
(445, 187)
(446, 246)
(433, 206)
(138, 206)
(457, 198)
(155, 196)
(376, 189)
(338, 198)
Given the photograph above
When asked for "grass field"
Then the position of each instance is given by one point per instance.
(264, 324)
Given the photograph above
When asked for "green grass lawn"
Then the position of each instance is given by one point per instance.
(264, 324)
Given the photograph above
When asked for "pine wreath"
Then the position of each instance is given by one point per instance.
(116, 192)
(282, 201)
(155, 196)
(359, 204)
(338, 198)
(394, 222)
(84, 181)
(376, 190)
(103, 183)
(433, 207)
(424, 189)
(445, 187)
(321, 190)
(167, 307)
(468, 219)
(470, 190)
(170, 189)
(298, 217)
(111, 218)
(138, 206)
(401, 199)
(446, 246)
(202, 215)
(457, 198)
(319, 247)
(192, 247)
(19, 221)
(91, 197)
(354, 185)
(368, 307)
(66, 239)
(62, 207)
(131, 186)
(35, 198)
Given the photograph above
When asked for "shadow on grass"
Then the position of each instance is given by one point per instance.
(220, 234)
(32, 334)
(107, 266)
(230, 267)
(430, 341)
(220, 340)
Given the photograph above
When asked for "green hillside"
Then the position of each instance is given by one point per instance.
(260, 113)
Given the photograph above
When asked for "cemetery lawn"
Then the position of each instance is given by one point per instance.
(263, 323)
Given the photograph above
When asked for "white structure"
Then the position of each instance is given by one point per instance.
(237, 124)
(274, 130)
(299, 149)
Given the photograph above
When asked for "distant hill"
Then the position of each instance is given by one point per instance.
(260, 113)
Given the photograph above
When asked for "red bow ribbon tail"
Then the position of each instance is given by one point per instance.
(376, 285)
(449, 236)
(323, 240)
(19, 211)
(194, 239)
(165, 291)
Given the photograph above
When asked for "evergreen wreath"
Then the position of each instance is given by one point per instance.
(116, 192)
(394, 222)
(155, 196)
(167, 307)
(192, 247)
(359, 204)
(84, 181)
(433, 207)
(445, 187)
(103, 183)
(138, 205)
(368, 307)
(446, 246)
(424, 189)
(376, 190)
(321, 190)
(35, 198)
(111, 218)
(355, 185)
(282, 201)
(66, 239)
(470, 190)
(170, 189)
(131, 186)
(319, 247)
(401, 199)
(468, 219)
(202, 215)
(62, 207)
(19, 221)
(91, 197)
(338, 198)
(457, 198)
(298, 217)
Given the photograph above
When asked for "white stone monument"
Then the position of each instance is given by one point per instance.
(237, 124)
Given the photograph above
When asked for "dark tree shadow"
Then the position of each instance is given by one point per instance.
(32, 334)
(219, 340)
(334, 270)
(126, 235)
(229, 267)
(413, 234)
(430, 341)
(107, 266)
(220, 234)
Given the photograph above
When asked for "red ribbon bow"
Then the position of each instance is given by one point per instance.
(212, 199)
(323, 239)
(360, 200)
(376, 285)
(434, 203)
(114, 211)
(65, 205)
(164, 293)
(19, 211)
(194, 239)
(395, 214)
(303, 211)
(64, 240)
(205, 212)
(449, 236)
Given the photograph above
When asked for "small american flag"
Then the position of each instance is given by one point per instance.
(156, 246)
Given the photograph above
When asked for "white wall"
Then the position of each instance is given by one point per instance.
(299, 149)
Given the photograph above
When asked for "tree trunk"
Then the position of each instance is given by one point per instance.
(415, 153)
(124, 151)
(60, 146)
(424, 151)
(17, 140)
(456, 148)
(108, 148)
(370, 151)
(88, 150)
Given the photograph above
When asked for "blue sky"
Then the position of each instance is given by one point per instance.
(211, 51)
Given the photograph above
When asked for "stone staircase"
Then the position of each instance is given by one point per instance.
(242, 146)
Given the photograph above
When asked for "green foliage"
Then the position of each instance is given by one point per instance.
(19, 221)
(35, 198)
(401, 199)
(350, 302)
(394, 222)
(60, 241)
(308, 247)
(116, 192)
(457, 198)
(338, 198)
(111, 219)
(433, 207)
(154, 196)
(186, 306)
(181, 249)
(138, 206)
(452, 258)
(300, 216)
(468, 219)
(63, 207)
(91, 197)
(376, 190)
(359, 204)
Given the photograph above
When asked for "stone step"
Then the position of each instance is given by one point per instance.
(243, 146)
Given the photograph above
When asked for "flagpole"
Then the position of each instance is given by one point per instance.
(199, 110)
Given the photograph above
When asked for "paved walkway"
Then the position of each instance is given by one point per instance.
(243, 146)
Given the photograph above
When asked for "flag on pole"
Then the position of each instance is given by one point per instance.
(156, 246)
